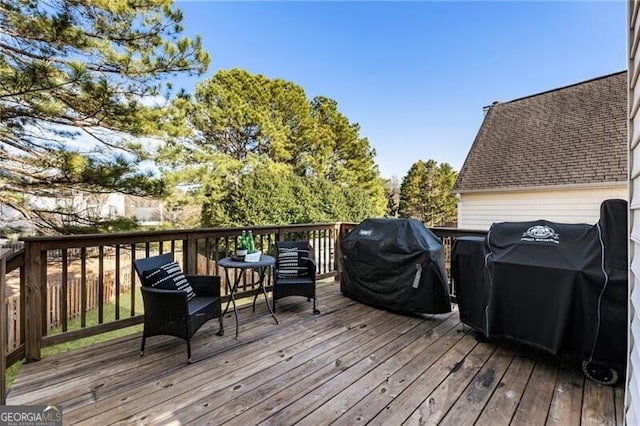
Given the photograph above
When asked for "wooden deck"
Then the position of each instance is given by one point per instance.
(352, 364)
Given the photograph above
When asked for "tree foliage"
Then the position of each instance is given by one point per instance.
(425, 193)
(238, 113)
(264, 192)
(82, 82)
(315, 154)
(85, 71)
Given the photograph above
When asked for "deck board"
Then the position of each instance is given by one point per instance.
(598, 408)
(504, 401)
(567, 397)
(401, 406)
(289, 355)
(370, 406)
(469, 406)
(239, 399)
(352, 364)
(312, 389)
(415, 342)
(535, 403)
(440, 401)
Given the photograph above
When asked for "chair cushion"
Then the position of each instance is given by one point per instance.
(198, 304)
(296, 280)
(292, 262)
(168, 277)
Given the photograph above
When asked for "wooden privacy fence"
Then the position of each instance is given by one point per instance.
(13, 322)
(74, 292)
(71, 287)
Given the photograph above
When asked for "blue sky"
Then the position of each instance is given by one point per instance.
(414, 75)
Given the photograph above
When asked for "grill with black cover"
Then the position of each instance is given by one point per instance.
(395, 264)
(557, 286)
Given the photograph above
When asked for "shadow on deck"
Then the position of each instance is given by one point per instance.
(352, 364)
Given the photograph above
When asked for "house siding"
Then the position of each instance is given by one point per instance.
(632, 394)
(573, 205)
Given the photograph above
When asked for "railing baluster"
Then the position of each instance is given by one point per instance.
(321, 257)
(132, 287)
(100, 284)
(190, 253)
(216, 247)
(65, 290)
(83, 287)
(117, 283)
(231, 244)
(43, 291)
(23, 301)
(207, 251)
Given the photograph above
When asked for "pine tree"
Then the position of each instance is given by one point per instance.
(239, 116)
(425, 193)
(78, 81)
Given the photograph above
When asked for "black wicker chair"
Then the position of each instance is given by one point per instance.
(169, 312)
(294, 277)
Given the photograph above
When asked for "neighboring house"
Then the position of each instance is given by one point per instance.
(12, 221)
(146, 211)
(555, 155)
(92, 205)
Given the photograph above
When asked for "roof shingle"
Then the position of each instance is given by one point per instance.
(572, 135)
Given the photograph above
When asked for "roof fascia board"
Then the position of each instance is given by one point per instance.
(545, 188)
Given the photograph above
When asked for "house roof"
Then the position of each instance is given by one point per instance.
(572, 135)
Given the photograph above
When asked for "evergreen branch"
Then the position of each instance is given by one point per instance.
(39, 89)
(107, 143)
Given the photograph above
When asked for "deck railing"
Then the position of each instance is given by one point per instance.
(64, 288)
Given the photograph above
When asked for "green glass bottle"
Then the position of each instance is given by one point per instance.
(251, 245)
(242, 244)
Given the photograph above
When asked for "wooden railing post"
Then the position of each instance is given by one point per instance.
(191, 254)
(3, 326)
(35, 281)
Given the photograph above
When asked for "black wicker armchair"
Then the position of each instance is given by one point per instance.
(295, 272)
(182, 310)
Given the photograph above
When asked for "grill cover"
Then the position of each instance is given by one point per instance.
(560, 287)
(395, 264)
